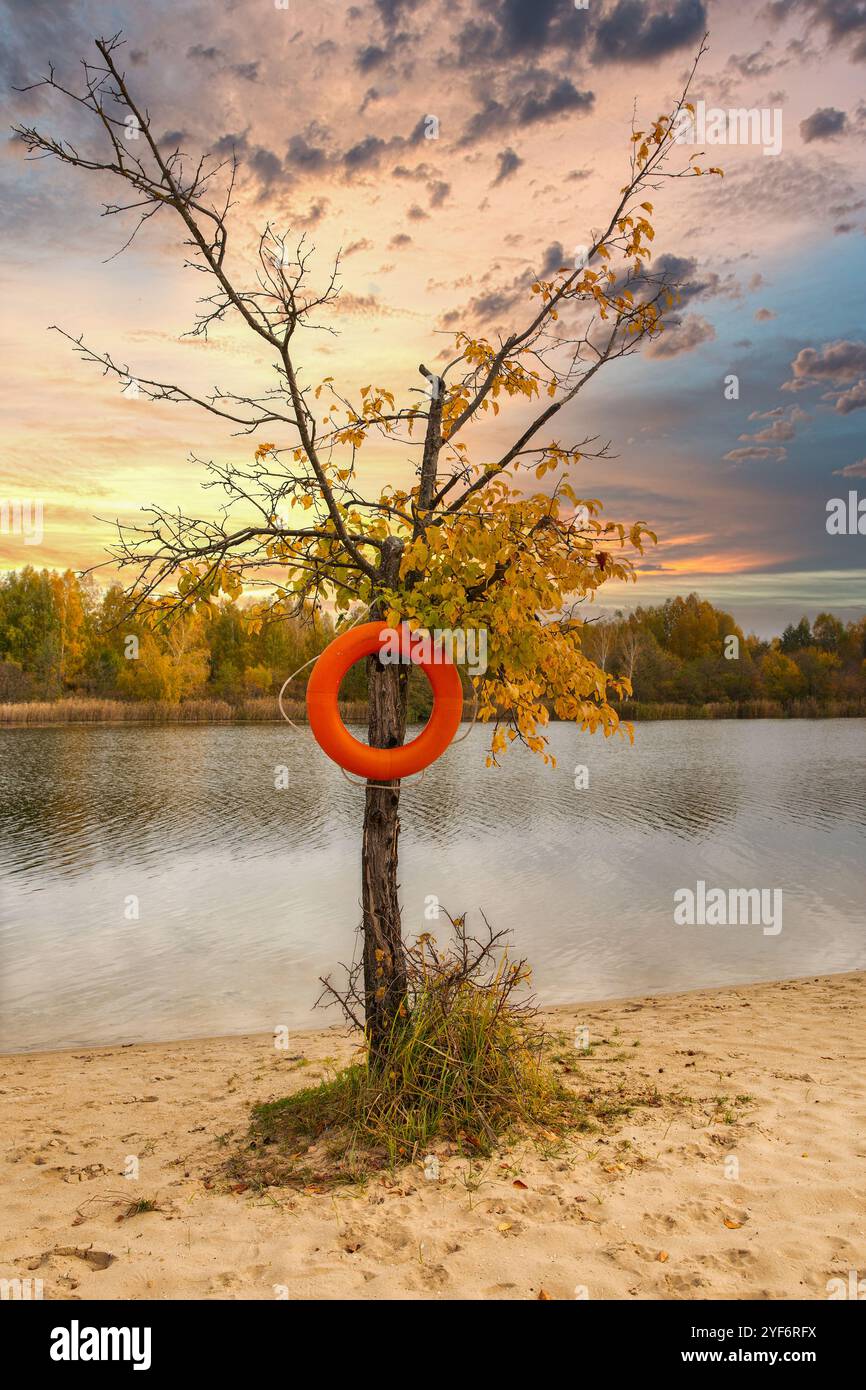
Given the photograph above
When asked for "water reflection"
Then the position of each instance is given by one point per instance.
(246, 894)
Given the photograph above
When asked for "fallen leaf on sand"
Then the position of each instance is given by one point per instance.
(518, 1183)
(732, 1225)
(97, 1259)
(662, 1256)
(505, 1226)
(544, 1296)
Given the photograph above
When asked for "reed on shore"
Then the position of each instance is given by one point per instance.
(638, 710)
(260, 709)
(264, 709)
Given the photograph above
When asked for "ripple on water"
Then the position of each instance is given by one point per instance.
(246, 893)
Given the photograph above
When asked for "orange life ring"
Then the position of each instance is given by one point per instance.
(380, 764)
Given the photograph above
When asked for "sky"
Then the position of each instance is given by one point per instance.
(444, 224)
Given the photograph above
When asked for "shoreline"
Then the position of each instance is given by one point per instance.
(548, 1011)
(650, 1205)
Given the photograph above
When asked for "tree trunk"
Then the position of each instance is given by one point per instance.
(384, 970)
(384, 966)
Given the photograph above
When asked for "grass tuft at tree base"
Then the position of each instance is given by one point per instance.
(466, 1062)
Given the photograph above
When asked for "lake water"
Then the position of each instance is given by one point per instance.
(246, 894)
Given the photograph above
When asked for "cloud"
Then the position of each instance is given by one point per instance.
(755, 453)
(313, 217)
(799, 187)
(304, 156)
(850, 400)
(210, 54)
(547, 98)
(554, 259)
(392, 10)
(835, 364)
(851, 470)
(638, 32)
(495, 302)
(267, 168)
(844, 21)
(682, 335)
(778, 432)
(366, 154)
(517, 28)
(370, 57)
(509, 163)
(824, 124)
(764, 315)
(367, 304)
(681, 274)
(781, 429)
(760, 63)
(249, 72)
(354, 246)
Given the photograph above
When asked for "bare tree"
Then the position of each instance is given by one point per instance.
(630, 648)
(295, 514)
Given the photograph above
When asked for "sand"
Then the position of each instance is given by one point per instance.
(745, 1177)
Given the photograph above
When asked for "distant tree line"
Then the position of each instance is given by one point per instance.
(62, 636)
(687, 652)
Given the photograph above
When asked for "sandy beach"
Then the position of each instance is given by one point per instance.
(738, 1171)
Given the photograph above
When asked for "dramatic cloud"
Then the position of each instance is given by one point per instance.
(637, 32)
(517, 29)
(534, 99)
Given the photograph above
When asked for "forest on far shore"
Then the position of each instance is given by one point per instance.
(62, 638)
